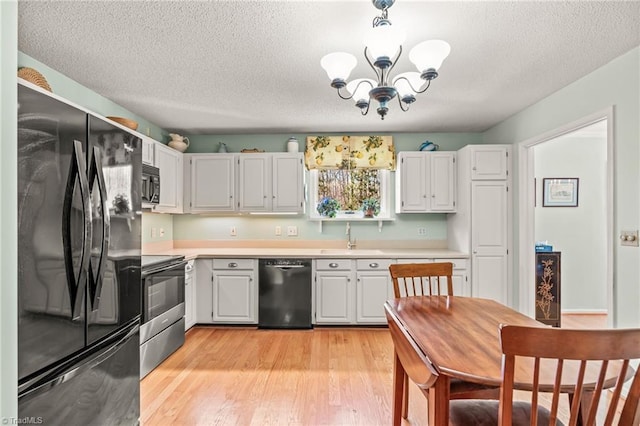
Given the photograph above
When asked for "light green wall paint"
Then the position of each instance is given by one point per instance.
(579, 232)
(405, 226)
(157, 221)
(615, 84)
(8, 214)
(79, 94)
(278, 142)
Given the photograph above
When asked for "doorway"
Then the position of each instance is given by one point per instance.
(574, 230)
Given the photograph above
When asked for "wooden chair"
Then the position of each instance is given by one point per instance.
(548, 349)
(417, 279)
(433, 279)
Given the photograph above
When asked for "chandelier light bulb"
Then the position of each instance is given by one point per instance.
(429, 54)
(338, 65)
(384, 41)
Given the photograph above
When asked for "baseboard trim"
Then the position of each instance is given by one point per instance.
(585, 311)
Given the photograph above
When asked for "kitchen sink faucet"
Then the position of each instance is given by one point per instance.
(350, 244)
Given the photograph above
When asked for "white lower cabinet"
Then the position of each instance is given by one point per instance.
(373, 288)
(335, 291)
(204, 291)
(235, 293)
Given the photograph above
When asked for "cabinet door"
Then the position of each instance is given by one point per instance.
(148, 151)
(372, 290)
(412, 183)
(489, 162)
(203, 291)
(489, 239)
(288, 183)
(234, 298)
(443, 181)
(254, 181)
(169, 161)
(212, 183)
(334, 298)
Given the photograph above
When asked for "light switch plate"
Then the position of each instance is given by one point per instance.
(629, 238)
(292, 231)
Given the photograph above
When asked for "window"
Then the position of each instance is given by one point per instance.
(349, 188)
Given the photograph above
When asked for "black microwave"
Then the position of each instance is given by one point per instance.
(150, 184)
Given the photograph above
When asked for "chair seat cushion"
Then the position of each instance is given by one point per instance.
(480, 412)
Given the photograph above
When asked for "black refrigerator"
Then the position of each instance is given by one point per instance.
(79, 243)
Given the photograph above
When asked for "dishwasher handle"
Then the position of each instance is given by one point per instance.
(286, 267)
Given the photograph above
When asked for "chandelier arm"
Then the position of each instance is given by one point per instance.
(373, 67)
(345, 98)
(402, 105)
(395, 61)
(425, 88)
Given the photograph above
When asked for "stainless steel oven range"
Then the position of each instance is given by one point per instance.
(162, 329)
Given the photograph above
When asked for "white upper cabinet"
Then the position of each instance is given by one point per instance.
(426, 182)
(170, 163)
(489, 162)
(288, 183)
(271, 182)
(212, 183)
(148, 151)
(254, 182)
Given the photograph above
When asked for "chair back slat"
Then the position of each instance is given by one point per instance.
(577, 394)
(591, 418)
(596, 353)
(534, 394)
(417, 279)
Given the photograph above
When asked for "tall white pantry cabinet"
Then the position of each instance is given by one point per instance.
(483, 222)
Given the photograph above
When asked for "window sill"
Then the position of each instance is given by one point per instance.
(351, 218)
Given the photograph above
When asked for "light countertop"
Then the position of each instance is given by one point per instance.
(391, 253)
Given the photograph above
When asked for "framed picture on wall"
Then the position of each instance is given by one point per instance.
(560, 192)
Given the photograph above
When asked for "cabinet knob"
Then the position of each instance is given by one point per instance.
(424, 196)
(373, 265)
(233, 265)
(475, 251)
(433, 195)
(473, 168)
(333, 265)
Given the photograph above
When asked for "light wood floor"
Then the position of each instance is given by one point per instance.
(244, 376)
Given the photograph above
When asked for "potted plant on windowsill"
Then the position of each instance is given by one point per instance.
(370, 207)
(328, 207)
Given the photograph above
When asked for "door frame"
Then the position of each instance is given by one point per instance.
(526, 207)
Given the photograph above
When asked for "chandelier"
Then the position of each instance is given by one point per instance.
(382, 43)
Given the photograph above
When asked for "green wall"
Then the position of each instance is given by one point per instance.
(615, 84)
(404, 227)
(8, 214)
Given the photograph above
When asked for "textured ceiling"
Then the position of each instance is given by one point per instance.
(243, 67)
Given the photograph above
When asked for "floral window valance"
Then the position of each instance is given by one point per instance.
(350, 152)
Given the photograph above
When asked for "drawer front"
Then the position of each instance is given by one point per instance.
(373, 264)
(333, 264)
(457, 263)
(233, 264)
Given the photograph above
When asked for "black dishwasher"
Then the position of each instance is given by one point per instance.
(285, 293)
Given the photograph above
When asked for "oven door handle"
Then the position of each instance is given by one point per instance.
(150, 271)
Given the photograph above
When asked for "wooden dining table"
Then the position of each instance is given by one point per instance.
(459, 337)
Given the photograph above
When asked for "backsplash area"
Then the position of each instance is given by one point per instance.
(183, 228)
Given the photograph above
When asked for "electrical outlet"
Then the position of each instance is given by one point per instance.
(278, 230)
(162, 232)
(153, 232)
(422, 231)
(292, 231)
(232, 231)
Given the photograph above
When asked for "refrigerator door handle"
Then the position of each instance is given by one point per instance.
(77, 286)
(43, 383)
(96, 173)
